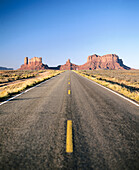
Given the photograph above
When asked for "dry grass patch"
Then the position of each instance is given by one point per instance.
(13, 75)
(11, 89)
(125, 82)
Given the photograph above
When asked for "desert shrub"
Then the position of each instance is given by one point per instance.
(122, 81)
(6, 91)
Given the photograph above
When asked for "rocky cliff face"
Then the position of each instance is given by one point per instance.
(109, 61)
(34, 63)
(68, 66)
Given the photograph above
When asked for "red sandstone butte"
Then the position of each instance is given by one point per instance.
(34, 63)
(109, 61)
(69, 66)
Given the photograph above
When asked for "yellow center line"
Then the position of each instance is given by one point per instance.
(68, 91)
(69, 143)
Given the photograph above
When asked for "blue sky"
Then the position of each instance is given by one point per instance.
(60, 29)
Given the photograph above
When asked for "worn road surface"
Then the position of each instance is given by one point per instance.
(105, 128)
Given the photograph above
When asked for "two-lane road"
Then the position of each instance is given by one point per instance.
(33, 127)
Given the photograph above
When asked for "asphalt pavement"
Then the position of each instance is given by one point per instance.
(33, 128)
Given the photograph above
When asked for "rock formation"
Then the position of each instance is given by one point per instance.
(109, 61)
(34, 63)
(68, 66)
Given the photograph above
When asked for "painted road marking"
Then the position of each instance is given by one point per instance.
(68, 91)
(68, 82)
(69, 143)
(112, 91)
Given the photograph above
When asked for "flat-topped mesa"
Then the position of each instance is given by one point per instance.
(89, 58)
(34, 63)
(109, 61)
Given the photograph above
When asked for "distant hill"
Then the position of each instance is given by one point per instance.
(5, 68)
